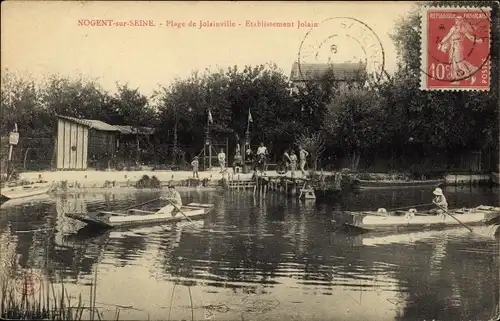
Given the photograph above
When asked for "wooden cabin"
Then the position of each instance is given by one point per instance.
(88, 143)
(84, 143)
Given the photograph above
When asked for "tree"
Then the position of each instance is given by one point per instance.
(355, 121)
(229, 95)
(20, 103)
(314, 143)
(75, 97)
(130, 107)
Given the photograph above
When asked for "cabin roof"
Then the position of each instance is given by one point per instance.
(127, 129)
(100, 125)
(342, 71)
(91, 123)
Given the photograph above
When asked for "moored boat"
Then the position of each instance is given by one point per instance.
(25, 190)
(413, 220)
(388, 184)
(137, 217)
(495, 177)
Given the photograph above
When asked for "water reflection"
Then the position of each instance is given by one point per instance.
(281, 256)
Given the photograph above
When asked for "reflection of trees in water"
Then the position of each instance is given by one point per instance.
(127, 248)
(463, 289)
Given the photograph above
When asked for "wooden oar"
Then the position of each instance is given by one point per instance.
(178, 208)
(411, 206)
(456, 219)
(144, 203)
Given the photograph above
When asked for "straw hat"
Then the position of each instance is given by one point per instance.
(438, 191)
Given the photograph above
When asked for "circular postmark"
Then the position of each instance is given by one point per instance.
(343, 42)
(27, 283)
(457, 44)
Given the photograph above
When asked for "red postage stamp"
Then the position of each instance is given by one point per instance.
(455, 53)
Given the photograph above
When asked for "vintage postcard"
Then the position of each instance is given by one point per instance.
(250, 160)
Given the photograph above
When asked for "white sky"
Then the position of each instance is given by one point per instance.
(42, 38)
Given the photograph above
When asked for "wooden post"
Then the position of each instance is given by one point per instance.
(239, 182)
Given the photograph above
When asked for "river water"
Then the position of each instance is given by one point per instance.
(260, 259)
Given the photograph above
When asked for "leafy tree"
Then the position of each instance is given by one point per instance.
(229, 95)
(314, 143)
(20, 103)
(355, 121)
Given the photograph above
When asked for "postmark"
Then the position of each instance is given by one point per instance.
(345, 42)
(28, 283)
(455, 48)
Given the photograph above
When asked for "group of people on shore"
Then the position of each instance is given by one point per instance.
(258, 160)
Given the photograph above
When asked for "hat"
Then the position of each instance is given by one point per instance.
(171, 185)
(438, 191)
(196, 157)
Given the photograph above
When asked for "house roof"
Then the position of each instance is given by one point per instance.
(127, 129)
(100, 125)
(342, 71)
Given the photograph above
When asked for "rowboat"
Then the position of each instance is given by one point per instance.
(413, 220)
(136, 217)
(26, 201)
(395, 184)
(25, 190)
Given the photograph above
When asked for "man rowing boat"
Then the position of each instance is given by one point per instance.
(174, 199)
(440, 201)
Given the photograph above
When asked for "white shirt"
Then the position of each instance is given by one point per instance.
(221, 157)
(262, 150)
(303, 154)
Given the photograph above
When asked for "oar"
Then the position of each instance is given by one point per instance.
(177, 207)
(411, 206)
(456, 219)
(144, 203)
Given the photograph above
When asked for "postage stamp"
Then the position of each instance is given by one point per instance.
(455, 48)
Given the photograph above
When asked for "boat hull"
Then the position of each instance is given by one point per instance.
(108, 220)
(391, 223)
(23, 191)
(365, 184)
(495, 177)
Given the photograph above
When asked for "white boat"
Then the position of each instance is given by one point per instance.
(25, 190)
(392, 222)
(33, 200)
(136, 217)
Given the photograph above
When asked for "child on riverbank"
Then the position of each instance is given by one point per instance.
(222, 161)
(303, 159)
(195, 164)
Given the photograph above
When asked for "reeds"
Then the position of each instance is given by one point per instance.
(47, 303)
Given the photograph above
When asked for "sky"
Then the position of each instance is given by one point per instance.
(43, 38)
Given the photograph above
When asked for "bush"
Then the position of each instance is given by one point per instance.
(148, 182)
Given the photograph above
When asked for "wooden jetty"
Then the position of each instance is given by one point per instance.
(261, 184)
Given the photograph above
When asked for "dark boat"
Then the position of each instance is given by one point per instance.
(388, 184)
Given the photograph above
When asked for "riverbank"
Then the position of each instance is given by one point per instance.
(108, 179)
(92, 179)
